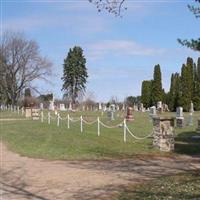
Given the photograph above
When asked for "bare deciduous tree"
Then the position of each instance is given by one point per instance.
(112, 6)
(21, 63)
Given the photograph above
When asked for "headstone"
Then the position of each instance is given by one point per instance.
(112, 107)
(163, 133)
(62, 107)
(191, 107)
(35, 114)
(117, 107)
(70, 106)
(129, 116)
(179, 117)
(159, 106)
(100, 106)
(152, 111)
(41, 106)
(110, 115)
(165, 108)
(141, 107)
(135, 108)
(28, 112)
(51, 105)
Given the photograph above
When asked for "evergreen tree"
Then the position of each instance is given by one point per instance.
(74, 74)
(196, 96)
(171, 95)
(146, 93)
(177, 90)
(157, 85)
(186, 87)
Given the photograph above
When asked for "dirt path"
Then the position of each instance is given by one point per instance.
(25, 178)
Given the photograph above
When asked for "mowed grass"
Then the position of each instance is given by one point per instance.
(179, 187)
(40, 140)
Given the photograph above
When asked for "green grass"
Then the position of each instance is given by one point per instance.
(179, 187)
(40, 140)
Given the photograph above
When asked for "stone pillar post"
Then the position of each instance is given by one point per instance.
(163, 133)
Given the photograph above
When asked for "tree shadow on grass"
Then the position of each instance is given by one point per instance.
(186, 143)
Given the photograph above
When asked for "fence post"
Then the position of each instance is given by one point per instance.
(81, 123)
(124, 130)
(42, 116)
(49, 118)
(18, 110)
(98, 126)
(68, 121)
(58, 119)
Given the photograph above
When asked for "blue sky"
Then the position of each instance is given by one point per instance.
(120, 52)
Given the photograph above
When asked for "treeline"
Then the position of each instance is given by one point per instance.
(184, 87)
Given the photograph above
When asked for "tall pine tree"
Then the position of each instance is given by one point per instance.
(74, 74)
(186, 87)
(146, 93)
(196, 96)
(157, 91)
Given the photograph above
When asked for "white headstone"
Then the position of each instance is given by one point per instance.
(41, 106)
(135, 107)
(70, 106)
(191, 107)
(153, 111)
(179, 112)
(141, 107)
(100, 107)
(159, 104)
(51, 105)
(62, 107)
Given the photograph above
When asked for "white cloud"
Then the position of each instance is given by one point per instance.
(121, 47)
(73, 23)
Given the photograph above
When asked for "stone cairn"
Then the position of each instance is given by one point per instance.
(129, 116)
(179, 117)
(163, 133)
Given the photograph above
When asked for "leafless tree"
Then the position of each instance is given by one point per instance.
(112, 6)
(20, 64)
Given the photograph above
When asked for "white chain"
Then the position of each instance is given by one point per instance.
(106, 126)
(73, 120)
(89, 123)
(138, 138)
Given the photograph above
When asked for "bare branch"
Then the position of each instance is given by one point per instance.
(21, 63)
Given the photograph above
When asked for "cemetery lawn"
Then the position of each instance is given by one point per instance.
(40, 140)
(181, 186)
